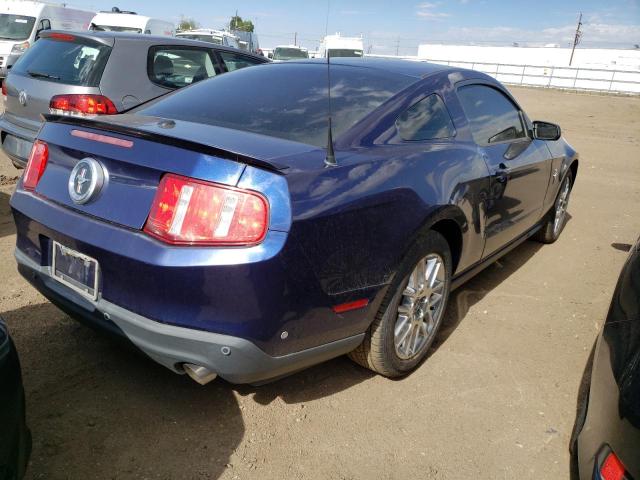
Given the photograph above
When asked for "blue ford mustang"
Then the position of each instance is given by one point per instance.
(227, 233)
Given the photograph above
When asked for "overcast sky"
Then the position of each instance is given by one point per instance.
(386, 24)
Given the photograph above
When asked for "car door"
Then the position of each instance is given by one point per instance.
(519, 166)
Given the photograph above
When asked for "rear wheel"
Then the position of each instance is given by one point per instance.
(408, 320)
(557, 216)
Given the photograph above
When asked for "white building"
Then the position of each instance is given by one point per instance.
(606, 58)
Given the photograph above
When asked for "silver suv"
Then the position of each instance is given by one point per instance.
(98, 73)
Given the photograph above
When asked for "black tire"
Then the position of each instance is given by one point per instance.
(378, 351)
(548, 233)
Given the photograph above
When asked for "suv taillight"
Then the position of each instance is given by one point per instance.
(186, 211)
(36, 165)
(82, 104)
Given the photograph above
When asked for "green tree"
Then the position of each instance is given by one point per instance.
(237, 23)
(187, 24)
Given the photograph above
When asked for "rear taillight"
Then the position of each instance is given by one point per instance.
(4, 89)
(612, 468)
(36, 165)
(81, 104)
(192, 212)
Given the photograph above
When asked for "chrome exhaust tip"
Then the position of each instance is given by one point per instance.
(200, 374)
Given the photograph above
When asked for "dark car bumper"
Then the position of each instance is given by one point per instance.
(604, 426)
(15, 439)
(235, 359)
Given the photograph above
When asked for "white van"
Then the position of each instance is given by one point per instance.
(219, 37)
(339, 46)
(22, 21)
(123, 21)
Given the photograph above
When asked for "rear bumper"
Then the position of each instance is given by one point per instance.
(235, 359)
(26, 134)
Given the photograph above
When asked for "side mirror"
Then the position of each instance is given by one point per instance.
(271, 56)
(546, 131)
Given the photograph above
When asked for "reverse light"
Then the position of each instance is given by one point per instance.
(36, 165)
(20, 48)
(81, 105)
(186, 211)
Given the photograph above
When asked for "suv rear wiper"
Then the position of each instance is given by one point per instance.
(41, 75)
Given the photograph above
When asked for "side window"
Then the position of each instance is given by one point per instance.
(427, 119)
(176, 67)
(235, 61)
(492, 116)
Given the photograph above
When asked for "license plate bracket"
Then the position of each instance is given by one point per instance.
(75, 270)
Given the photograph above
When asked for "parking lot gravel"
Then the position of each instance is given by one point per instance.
(496, 398)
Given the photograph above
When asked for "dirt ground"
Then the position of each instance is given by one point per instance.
(496, 399)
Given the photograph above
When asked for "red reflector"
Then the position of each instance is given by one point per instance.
(345, 307)
(36, 165)
(612, 468)
(4, 87)
(65, 37)
(119, 142)
(81, 104)
(186, 211)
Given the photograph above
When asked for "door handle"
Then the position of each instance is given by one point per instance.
(502, 173)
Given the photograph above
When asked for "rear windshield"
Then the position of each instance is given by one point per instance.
(74, 63)
(15, 27)
(289, 53)
(285, 100)
(204, 38)
(344, 52)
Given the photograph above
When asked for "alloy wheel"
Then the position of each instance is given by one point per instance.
(421, 307)
(561, 206)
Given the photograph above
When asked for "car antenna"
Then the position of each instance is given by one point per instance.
(330, 159)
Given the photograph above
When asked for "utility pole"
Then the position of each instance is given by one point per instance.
(295, 39)
(577, 38)
(397, 46)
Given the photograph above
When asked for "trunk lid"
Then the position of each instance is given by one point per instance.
(133, 172)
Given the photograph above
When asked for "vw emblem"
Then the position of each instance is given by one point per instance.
(86, 181)
(22, 98)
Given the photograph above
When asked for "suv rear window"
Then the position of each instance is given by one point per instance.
(285, 100)
(79, 62)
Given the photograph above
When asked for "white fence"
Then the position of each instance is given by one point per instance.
(578, 78)
(595, 79)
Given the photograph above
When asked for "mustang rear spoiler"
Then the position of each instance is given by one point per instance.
(96, 123)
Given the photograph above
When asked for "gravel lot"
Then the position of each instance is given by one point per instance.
(496, 399)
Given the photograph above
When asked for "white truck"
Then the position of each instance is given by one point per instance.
(219, 37)
(339, 46)
(118, 20)
(22, 21)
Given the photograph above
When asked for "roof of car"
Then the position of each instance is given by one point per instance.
(410, 68)
(151, 39)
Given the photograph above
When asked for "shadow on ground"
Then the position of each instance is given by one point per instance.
(98, 410)
(7, 226)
